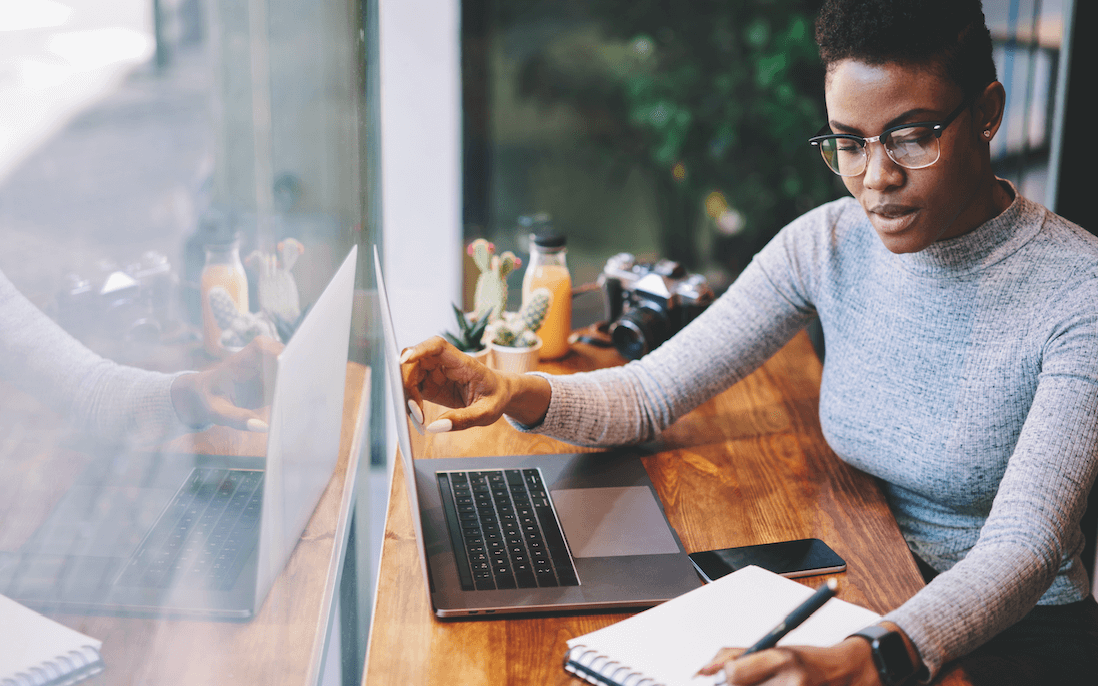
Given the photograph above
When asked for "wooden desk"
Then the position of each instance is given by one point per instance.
(749, 466)
(285, 642)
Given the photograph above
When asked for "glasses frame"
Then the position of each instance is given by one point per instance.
(936, 130)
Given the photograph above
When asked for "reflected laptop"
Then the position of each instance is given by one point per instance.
(534, 533)
(200, 535)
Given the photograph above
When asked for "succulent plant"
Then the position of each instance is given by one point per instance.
(470, 335)
(518, 329)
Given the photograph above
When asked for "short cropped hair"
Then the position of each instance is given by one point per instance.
(948, 34)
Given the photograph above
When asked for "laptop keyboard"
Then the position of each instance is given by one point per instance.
(504, 530)
(205, 534)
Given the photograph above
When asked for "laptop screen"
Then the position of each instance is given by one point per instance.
(398, 404)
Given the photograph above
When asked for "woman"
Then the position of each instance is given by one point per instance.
(119, 403)
(962, 360)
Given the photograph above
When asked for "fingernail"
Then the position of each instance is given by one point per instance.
(405, 355)
(417, 414)
(257, 425)
(439, 426)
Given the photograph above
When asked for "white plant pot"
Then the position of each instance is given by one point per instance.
(518, 360)
(484, 355)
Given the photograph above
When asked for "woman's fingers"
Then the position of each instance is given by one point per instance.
(415, 362)
(758, 667)
(484, 412)
(717, 663)
(436, 371)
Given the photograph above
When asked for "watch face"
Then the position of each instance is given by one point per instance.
(893, 661)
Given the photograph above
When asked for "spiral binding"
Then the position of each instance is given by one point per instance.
(594, 668)
(64, 670)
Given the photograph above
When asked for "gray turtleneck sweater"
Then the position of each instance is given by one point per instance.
(964, 376)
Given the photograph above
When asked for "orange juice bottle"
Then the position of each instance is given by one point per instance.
(548, 269)
(223, 268)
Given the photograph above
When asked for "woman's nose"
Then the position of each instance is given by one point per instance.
(881, 171)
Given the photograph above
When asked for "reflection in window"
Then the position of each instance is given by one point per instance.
(142, 141)
(133, 135)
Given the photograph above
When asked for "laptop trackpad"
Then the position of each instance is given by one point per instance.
(609, 522)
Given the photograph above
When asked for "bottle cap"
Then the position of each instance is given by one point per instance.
(215, 229)
(549, 240)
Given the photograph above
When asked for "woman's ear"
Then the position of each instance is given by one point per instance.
(987, 111)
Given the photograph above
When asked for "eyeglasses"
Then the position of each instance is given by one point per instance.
(912, 146)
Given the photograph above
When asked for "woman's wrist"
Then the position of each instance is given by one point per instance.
(528, 398)
(856, 664)
(861, 647)
(186, 400)
(912, 651)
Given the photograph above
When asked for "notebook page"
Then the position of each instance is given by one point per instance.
(29, 640)
(670, 642)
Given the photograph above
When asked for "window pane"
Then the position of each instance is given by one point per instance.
(136, 137)
(677, 133)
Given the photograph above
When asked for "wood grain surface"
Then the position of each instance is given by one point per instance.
(749, 466)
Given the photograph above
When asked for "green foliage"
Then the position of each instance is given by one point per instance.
(716, 99)
(470, 335)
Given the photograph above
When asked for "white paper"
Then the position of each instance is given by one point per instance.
(670, 642)
(29, 640)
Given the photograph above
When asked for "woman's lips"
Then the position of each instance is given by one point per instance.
(892, 218)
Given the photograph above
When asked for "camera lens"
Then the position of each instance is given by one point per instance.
(639, 331)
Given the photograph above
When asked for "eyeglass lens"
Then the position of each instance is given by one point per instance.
(913, 147)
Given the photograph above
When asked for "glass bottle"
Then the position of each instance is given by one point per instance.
(548, 268)
(223, 268)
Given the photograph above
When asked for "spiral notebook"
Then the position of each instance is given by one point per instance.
(37, 651)
(666, 645)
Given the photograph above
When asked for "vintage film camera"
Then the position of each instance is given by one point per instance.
(115, 310)
(647, 303)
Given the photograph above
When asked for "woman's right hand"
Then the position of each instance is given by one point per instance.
(436, 371)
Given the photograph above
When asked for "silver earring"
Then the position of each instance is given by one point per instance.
(987, 133)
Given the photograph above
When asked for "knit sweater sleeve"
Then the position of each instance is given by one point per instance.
(1032, 533)
(111, 401)
(743, 328)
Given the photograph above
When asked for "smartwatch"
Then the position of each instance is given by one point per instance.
(889, 654)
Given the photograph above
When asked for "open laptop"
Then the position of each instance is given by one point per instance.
(534, 533)
(199, 535)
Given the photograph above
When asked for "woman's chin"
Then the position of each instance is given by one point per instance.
(899, 234)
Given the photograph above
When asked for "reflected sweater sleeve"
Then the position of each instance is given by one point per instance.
(111, 401)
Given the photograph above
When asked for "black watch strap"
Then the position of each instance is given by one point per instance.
(889, 654)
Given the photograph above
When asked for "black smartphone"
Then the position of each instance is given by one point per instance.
(805, 557)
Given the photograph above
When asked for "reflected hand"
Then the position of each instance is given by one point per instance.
(436, 371)
(230, 392)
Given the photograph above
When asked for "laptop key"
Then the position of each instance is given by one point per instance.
(524, 576)
(545, 577)
(470, 535)
(484, 582)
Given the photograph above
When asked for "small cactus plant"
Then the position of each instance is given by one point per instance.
(470, 335)
(490, 296)
(518, 329)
